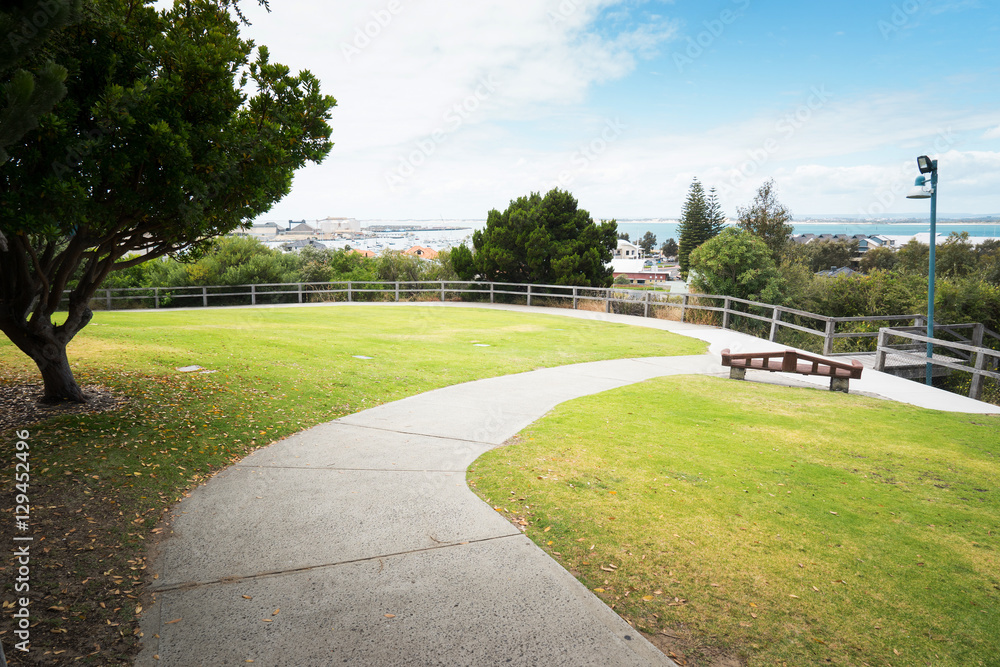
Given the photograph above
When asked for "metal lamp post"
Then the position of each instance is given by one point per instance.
(920, 191)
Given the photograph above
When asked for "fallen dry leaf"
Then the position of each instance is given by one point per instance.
(267, 620)
(176, 620)
(794, 596)
(275, 612)
(598, 590)
(547, 529)
(647, 598)
(247, 597)
(390, 616)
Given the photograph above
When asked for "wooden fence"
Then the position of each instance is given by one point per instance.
(762, 319)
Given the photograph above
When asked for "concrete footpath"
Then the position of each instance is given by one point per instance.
(358, 542)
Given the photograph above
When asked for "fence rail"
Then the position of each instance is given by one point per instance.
(969, 356)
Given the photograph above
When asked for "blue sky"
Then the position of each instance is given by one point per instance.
(448, 109)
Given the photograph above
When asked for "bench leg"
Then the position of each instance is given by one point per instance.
(839, 384)
(737, 373)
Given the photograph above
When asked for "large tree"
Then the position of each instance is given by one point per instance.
(737, 263)
(697, 224)
(669, 248)
(648, 242)
(32, 82)
(767, 218)
(173, 131)
(545, 240)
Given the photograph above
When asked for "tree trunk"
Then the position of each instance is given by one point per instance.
(46, 345)
(60, 385)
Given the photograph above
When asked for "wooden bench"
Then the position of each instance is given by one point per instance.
(790, 361)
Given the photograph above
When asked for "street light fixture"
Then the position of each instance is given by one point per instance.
(923, 190)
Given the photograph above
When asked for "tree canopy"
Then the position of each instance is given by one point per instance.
(546, 240)
(32, 81)
(647, 242)
(669, 248)
(173, 130)
(737, 263)
(767, 218)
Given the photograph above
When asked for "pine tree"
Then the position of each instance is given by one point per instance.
(695, 227)
(716, 218)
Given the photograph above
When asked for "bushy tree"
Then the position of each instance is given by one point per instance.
(545, 240)
(822, 255)
(623, 236)
(669, 248)
(767, 218)
(737, 263)
(860, 295)
(956, 257)
(462, 262)
(647, 242)
(696, 225)
(880, 258)
(172, 132)
(967, 300)
(913, 257)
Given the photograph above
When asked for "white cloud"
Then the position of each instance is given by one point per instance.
(398, 76)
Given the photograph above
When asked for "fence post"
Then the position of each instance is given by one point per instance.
(607, 300)
(977, 334)
(575, 297)
(529, 294)
(880, 350)
(300, 292)
(350, 296)
(156, 297)
(107, 299)
(684, 305)
(442, 291)
(976, 387)
(775, 318)
(725, 313)
(491, 292)
(828, 339)
(397, 291)
(253, 295)
(645, 308)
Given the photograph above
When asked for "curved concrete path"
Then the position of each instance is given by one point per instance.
(358, 542)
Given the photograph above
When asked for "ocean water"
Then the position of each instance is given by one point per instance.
(666, 230)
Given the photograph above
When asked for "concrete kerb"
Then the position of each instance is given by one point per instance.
(358, 541)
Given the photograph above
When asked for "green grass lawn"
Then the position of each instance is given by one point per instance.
(100, 482)
(776, 525)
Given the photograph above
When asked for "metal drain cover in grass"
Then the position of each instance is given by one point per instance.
(189, 369)
(361, 356)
